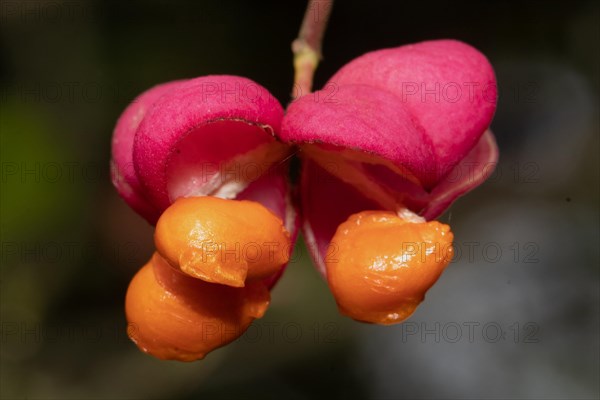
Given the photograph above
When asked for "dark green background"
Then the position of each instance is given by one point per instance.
(70, 245)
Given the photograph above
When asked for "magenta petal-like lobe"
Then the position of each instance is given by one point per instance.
(123, 173)
(471, 172)
(447, 85)
(192, 132)
(363, 118)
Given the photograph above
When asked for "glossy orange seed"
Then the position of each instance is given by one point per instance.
(173, 316)
(379, 265)
(222, 241)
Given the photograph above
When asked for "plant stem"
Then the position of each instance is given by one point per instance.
(307, 47)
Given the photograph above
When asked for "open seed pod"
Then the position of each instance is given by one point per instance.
(393, 139)
(200, 158)
(208, 136)
(406, 127)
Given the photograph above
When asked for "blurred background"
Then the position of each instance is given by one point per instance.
(516, 315)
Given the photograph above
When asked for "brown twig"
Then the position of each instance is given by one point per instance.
(307, 47)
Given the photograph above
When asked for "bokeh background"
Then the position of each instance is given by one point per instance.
(516, 315)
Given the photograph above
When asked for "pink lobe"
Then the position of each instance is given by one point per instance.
(222, 115)
(448, 86)
(471, 172)
(362, 118)
(124, 177)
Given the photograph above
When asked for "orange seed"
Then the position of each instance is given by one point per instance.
(380, 265)
(222, 241)
(173, 316)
